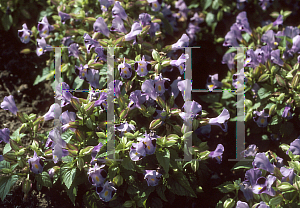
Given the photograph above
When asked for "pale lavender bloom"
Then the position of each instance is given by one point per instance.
(4, 135)
(51, 172)
(245, 187)
(42, 46)
(36, 164)
(183, 10)
(221, 120)
(137, 151)
(9, 104)
(250, 151)
(101, 26)
(291, 31)
(287, 112)
(155, 4)
(261, 161)
(264, 4)
(237, 33)
(255, 89)
(64, 17)
(101, 100)
(269, 38)
(296, 44)
(115, 87)
(159, 84)
(135, 30)
(217, 154)
(152, 177)
(137, 99)
(100, 54)
(228, 59)
(24, 34)
(145, 19)
(125, 70)
(119, 10)
(58, 152)
(192, 30)
(63, 94)
(148, 89)
(89, 42)
(124, 128)
(53, 113)
(67, 117)
(149, 142)
(264, 185)
(142, 67)
(174, 91)
(118, 25)
(196, 19)
(106, 192)
(262, 205)
(67, 41)
(275, 57)
(251, 60)
(105, 4)
(97, 175)
(73, 50)
(182, 86)
(92, 76)
(230, 39)
(238, 79)
(242, 22)
(260, 55)
(44, 27)
(279, 162)
(298, 58)
(182, 42)
(54, 138)
(240, 4)
(261, 118)
(153, 28)
(288, 175)
(267, 52)
(94, 152)
(81, 71)
(294, 147)
(191, 110)
(241, 204)
(212, 82)
(180, 62)
(278, 21)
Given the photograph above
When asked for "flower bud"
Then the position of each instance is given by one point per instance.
(26, 186)
(229, 203)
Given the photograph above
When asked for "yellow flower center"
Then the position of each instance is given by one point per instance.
(140, 64)
(45, 31)
(25, 37)
(289, 114)
(97, 178)
(262, 120)
(125, 72)
(148, 147)
(259, 188)
(83, 74)
(40, 49)
(136, 153)
(275, 43)
(106, 193)
(287, 178)
(142, 69)
(210, 86)
(155, 5)
(219, 157)
(152, 179)
(36, 166)
(266, 3)
(159, 88)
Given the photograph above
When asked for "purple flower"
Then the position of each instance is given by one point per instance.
(149, 142)
(212, 82)
(221, 120)
(261, 161)
(247, 190)
(291, 31)
(24, 34)
(125, 70)
(115, 87)
(58, 152)
(118, 25)
(53, 113)
(296, 44)
(242, 22)
(101, 26)
(67, 41)
(135, 30)
(180, 63)
(36, 164)
(92, 76)
(119, 10)
(278, 21)
(275, 57)
(261, 118)
(298, 58)
(159, 114)
(1, 158)
(51, 172)
(44, 27)
(81, 71)
(159, 84)
(294, 147)
(153, 28)
(137, 151)
(230, 39)
(251, 60)
(64, 17)
(100, 54)
(174, 91)
(63, 94)
(217, 153)
(42, 46)
(191, 110)
(142, 67)
(238, 79)
(262, 205)
(9, 104)
(264, 185)
(148, 89)
(67, 117)
(287, 112)
(106, 192)
(94, 153)
(145, 19)
(101, 100)
(228, 59)
(54, 138)
(182, 42)
(269, 38)
(279, 162)
(252, 175)
(264, 4)
(260, 55)
(137, 99)
(105, 4)
(152, 177)
(255, 89)
(192, 30)
(97, 175)
(237, 33)
(4, 135)
(124, 128)
(73, 50)
(288, 175)
(182, 86)
(240, 4)
(241, 204)
(250, 151)
(155, 4)
(89, 42)
(196, 19)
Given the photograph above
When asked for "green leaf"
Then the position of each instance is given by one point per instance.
(211, 97)
(210, 17)
(179, 184)
(207, 4)
(68, 175)
(77, 83)
(193, 5)
(86, 151)
(263, 78)
(227, 94)
(155, 55)
(7, 21)
(226, 187)
(6, 183)
(7, 148)
(246, 37)
(160, 189)
(263, 93)
(44, 179)
(155, 202)
(72, 193)
(274, 14)
(127, 163)
(287, 13)
(280, 80)
(163, 158)
(168, 27)
(285, 186)
(242, 165)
